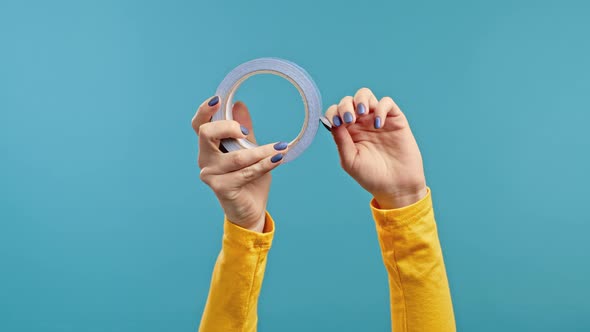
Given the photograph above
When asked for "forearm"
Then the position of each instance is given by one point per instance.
(237, 279)
(419, 291)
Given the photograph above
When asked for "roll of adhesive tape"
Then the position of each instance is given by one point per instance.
(310, 94)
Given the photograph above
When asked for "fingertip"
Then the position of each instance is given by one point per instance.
(244, 130)
(361, 109)
(327, 119)
(377, 123)
(396, 111)
(207, 109)
(242, 115)
(336, 121)
(347, 117)
(213, 101)
(240, 110)
(280, 146)
(277, 158)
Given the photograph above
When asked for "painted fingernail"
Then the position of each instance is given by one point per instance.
(245, 130)
(213, 101)
(276, 158)
(281, 146)
(348, 117)
(360, 109)
(336, 121)
(377, 122)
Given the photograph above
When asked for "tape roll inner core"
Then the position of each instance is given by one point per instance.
(228, 107)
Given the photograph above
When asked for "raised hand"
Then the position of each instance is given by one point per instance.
(240, 179)
(377, 148)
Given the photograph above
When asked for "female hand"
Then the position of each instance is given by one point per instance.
(377, 148)
(240, 179)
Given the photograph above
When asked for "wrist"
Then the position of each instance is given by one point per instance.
(400, 199)
(254, 225)
(258, 226)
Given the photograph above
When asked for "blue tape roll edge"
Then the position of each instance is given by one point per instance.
(310, 94)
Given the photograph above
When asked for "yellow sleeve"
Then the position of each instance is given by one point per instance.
(237, 278)
(418, 286)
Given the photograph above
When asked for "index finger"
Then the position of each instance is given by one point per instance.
(205, 112)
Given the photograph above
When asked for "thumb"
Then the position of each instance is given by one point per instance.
(346, 147)
(242, 115)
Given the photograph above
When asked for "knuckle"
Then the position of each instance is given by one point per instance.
(257, 168)
(387, 100)
(215, 184)
(345, 100)
(204, 175)
(204, 130)
(229, 126)
(237, 159)
(364, 91)
(248, 173)
(235, 125)
(332, 109)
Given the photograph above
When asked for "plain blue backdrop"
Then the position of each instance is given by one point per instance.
(105, 226)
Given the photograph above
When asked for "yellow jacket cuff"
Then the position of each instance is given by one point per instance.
(238, 236)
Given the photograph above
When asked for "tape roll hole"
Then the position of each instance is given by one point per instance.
(275, 104)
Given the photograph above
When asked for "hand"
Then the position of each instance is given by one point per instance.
(377, 148)
(240, 179)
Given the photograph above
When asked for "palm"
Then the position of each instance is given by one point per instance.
(246, 204)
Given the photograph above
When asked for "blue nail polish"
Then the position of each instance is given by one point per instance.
(213, 101)
(348, 117)
(360, 109)
(245, 130)
(281, 146)
(276, 158)
(377, 122)
(336, 121)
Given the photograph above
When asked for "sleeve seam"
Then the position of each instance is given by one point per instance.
(247, 308)
(401, 286)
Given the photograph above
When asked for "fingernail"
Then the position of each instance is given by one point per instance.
(336, 121)
(360, 109)
(348, 117)
(276, 158)
(377, 122)
(281, 146)
(245, 130)
(213, 101)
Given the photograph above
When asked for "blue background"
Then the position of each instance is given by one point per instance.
(105, 226)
